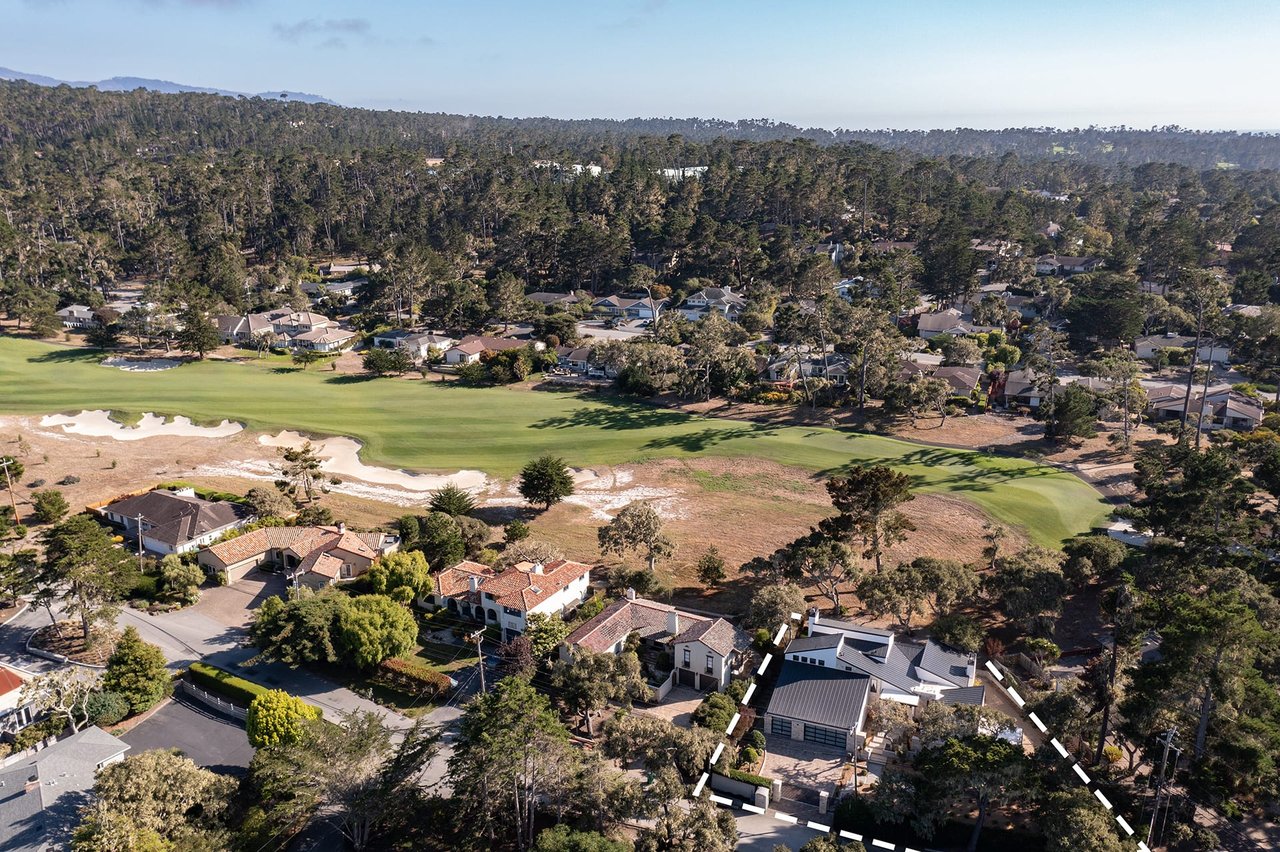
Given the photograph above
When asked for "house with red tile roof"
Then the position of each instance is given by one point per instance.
(309, 556)
(505, 599)
(15, 713)
(707, 652)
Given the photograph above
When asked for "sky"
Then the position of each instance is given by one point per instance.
(908, 64)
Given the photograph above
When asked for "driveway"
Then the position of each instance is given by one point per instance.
(208, 739)
(233, 605)
(677, 708)
(799, 764)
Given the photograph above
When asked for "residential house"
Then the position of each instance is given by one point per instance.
(963, 381)
(15, 712)
(309, 556)
(574, 359)
(1246, 311)
(1057, 264)
(1210, 351)
(719, 299)
(1220, 408)
(174, 521)
(506, 599)
(1018, 388)
(827, 678)
(886, 246)
(630, 308)
(417, 343)
(290, 328)
(949, 321)
(797, 366)
(77, 316)
(469, 349)
(683, 173)
(343, 291)
(340, 270)
(42, 792)
(706, 652)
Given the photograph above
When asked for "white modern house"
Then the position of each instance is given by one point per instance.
(77, 316)
(719, 299)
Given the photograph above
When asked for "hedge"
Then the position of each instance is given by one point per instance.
(412, 678)
(224, 682)
(744, 777)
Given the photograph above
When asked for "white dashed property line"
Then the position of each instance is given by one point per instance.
(721, 800)
(1080, 772)
(746, 696)
(1017, 699)
(753, 808)
(817, 826)
(777, 637)
(1101, 798)
(882, 844)
(715, 756)
(764, 664)
(1128, 829)
(785, 817)
(795, 616)
(1036, 720)
(697, 790)
(849, 835)
(733, 723)
(991, 667)
(1061, 751)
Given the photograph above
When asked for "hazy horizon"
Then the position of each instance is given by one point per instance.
(924, 64)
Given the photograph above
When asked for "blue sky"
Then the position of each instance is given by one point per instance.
(889, 63)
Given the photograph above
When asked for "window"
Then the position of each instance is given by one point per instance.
(686, 658)
(822, 662)
(782, 727)
(711, 664)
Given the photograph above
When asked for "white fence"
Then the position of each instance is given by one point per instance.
(211, 700)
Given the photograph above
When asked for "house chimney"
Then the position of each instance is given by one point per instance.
(631, 593)
(813, 619)
(342, 526)
(474, 582)
(537, 567)
(673, 622)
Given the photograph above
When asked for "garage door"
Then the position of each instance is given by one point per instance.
(781, 727)
(686, 677)
(826, 736)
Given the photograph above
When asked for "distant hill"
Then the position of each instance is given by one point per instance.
(128, 84)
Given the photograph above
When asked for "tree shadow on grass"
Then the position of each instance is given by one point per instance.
(695, 442)
(350, 379)
(65, 355)
(615, 417)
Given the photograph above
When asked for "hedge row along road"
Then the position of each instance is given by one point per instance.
(444, 427)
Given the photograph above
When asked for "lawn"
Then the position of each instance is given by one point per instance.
(444, 427)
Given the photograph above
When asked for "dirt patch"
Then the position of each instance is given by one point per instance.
(70, 642)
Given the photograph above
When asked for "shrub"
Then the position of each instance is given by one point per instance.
(1205, 839)
(278, 718)
(745, 777)
(763, 639)
(958, 631)
(69, 480)
(42, 730)
(514, 531)
(224, 683)
(49, 505)
(106, 708)
(136, 671)
(590, 608)
(413, 678)
(736, 689)
(715, 712)
(1113, 753)
(749, 757)
(756, 740)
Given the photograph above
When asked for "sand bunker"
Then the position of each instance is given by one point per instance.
(135, 365)
(98, 424)
(605, 494)
(341, 457)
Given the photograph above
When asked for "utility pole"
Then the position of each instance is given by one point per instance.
(139, 520)
(476, 637)
(8, 481)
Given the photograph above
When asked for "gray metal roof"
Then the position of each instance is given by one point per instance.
(945, 662)
(819, 642)
(975, 695)
(820, 695)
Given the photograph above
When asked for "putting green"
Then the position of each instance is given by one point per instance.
(435, 426)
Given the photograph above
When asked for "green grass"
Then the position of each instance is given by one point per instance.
(442, 426)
